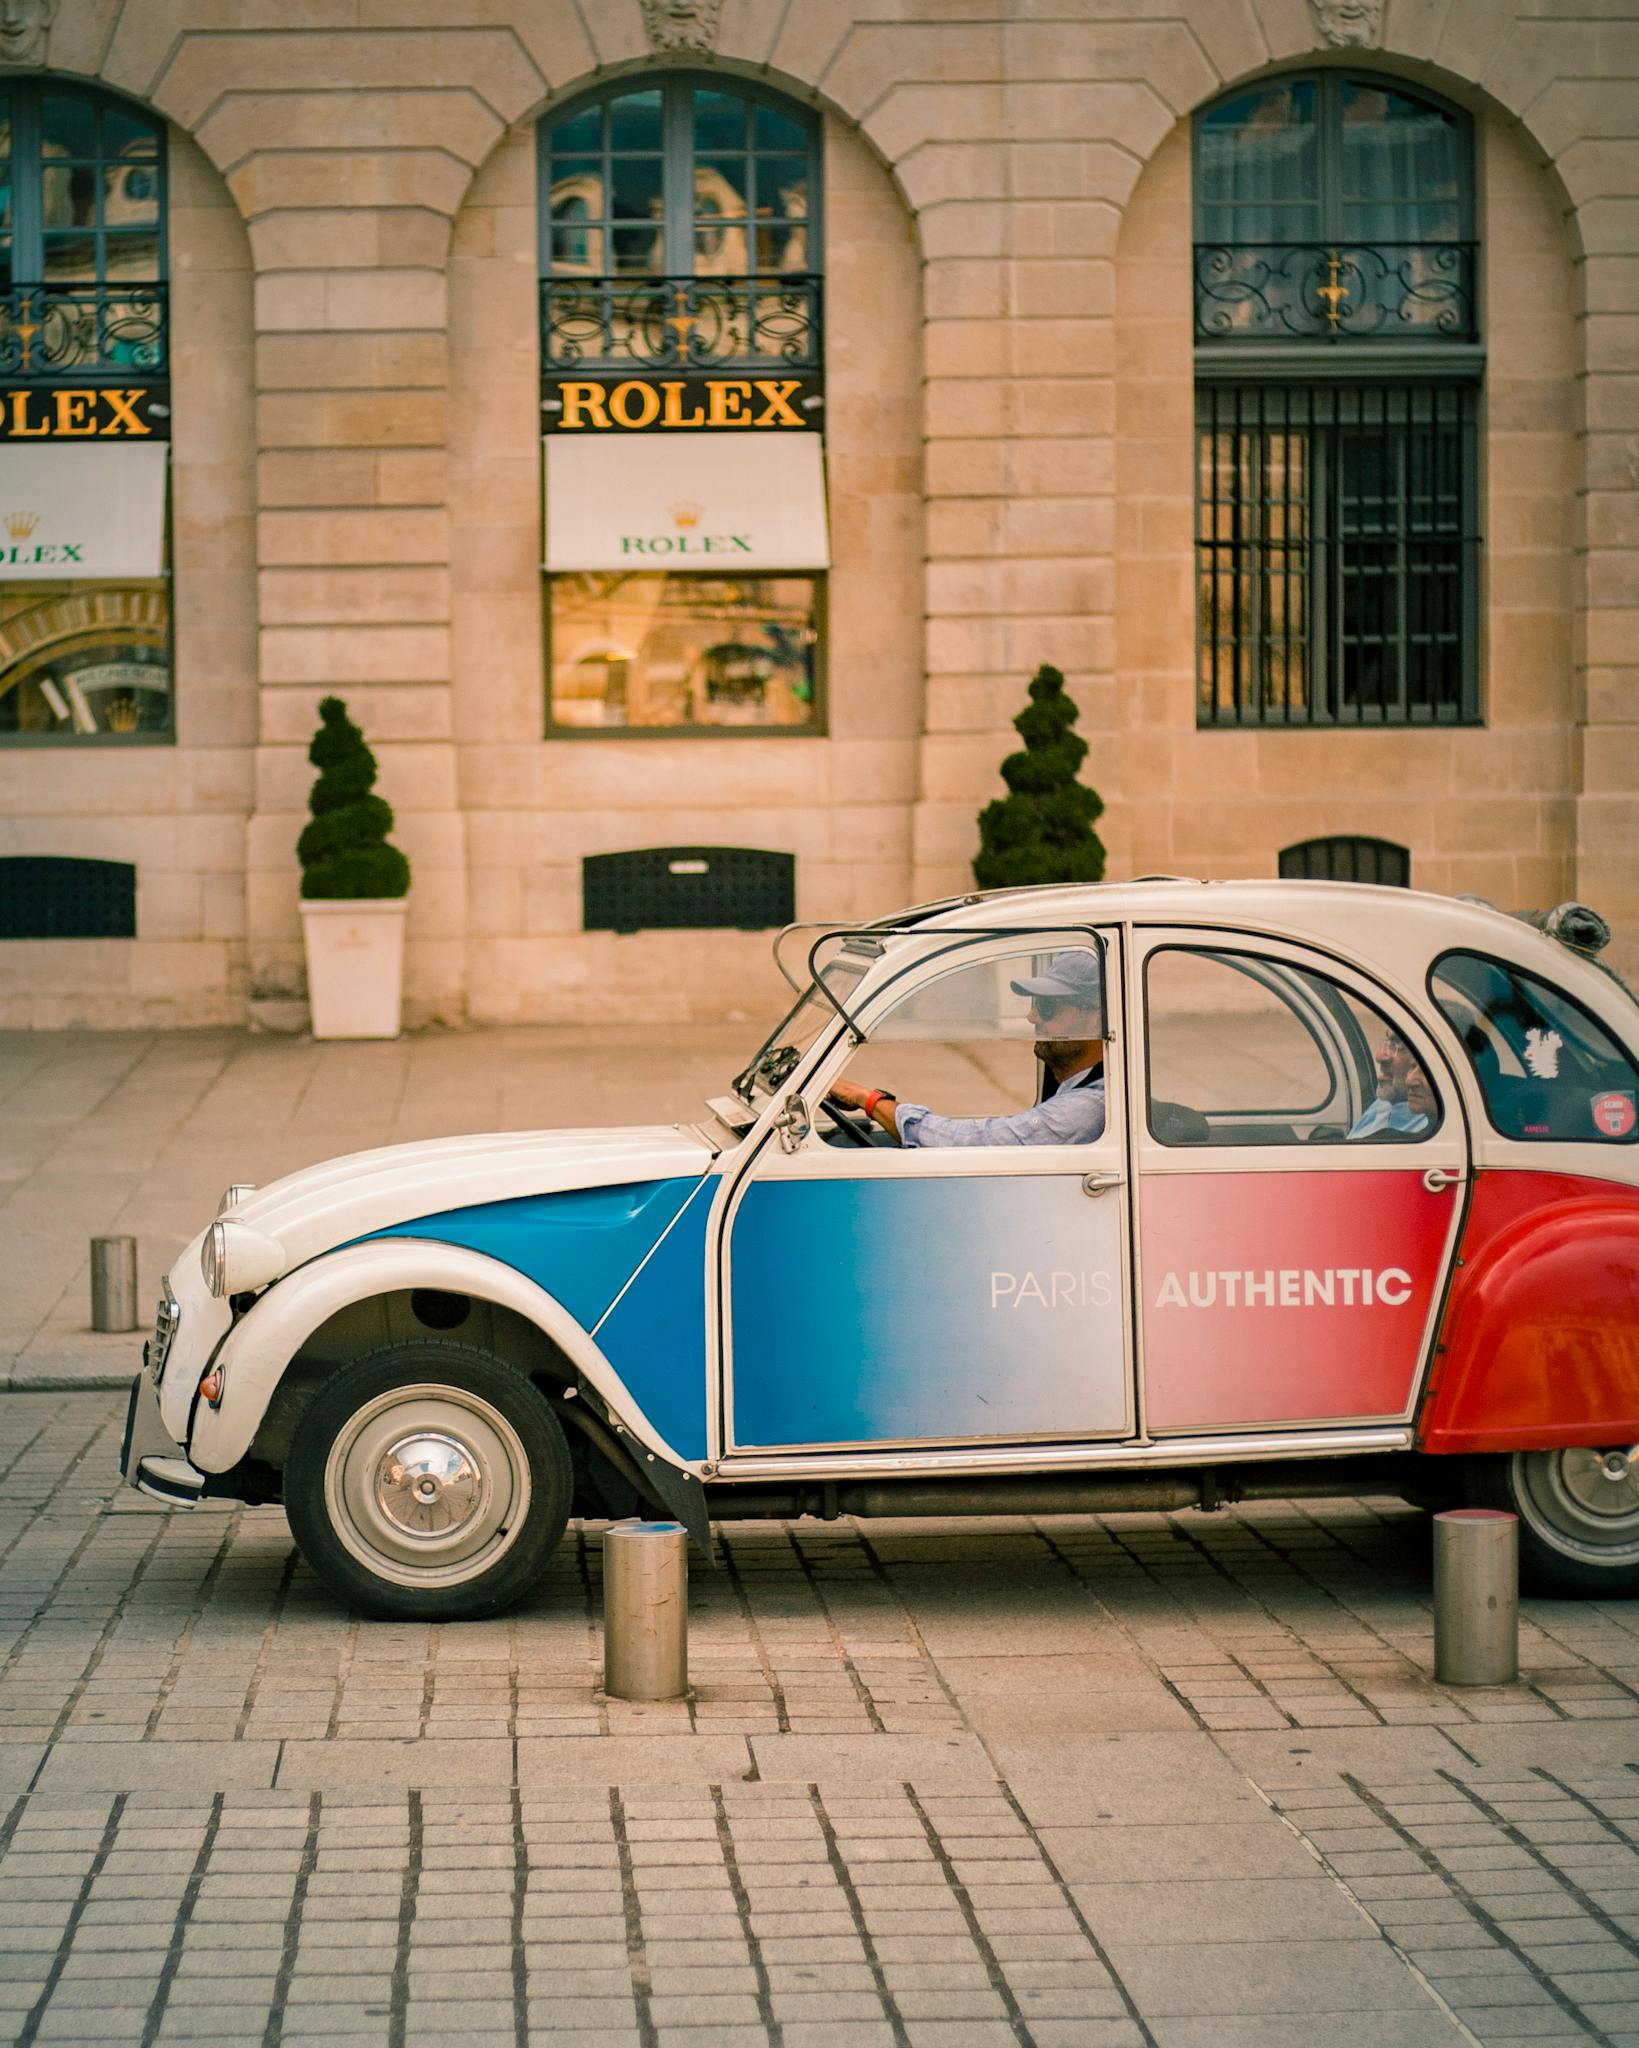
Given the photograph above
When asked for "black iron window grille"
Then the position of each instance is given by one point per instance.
(1337, 552)
(55, 331)
(82, 234)
(1318, 291)
(1347, 859)
(684, 324)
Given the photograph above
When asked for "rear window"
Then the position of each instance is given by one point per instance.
(1547, 1069)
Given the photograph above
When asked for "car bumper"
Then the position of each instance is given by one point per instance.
(150, 1457)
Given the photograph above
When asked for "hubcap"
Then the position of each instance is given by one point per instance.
(1585, 1503)
(427, 1485)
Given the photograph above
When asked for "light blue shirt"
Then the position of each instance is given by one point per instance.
(1383, 1115)
(1072, 1115)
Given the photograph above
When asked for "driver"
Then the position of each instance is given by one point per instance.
(1066, 1014)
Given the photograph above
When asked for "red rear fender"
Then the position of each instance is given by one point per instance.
(1540, 1343)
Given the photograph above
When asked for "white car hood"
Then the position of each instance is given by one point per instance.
(324, 1206)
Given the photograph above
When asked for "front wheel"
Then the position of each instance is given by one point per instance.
(1578, 1515)
(427, 1481)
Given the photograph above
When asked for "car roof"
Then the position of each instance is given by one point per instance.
(1397, 932)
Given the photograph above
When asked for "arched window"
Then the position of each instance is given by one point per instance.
(680, 333)
(82, 231)
(84, 604)
(1338, 366)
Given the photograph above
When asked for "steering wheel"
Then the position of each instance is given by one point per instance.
(846, 1123)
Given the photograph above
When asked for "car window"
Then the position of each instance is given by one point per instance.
(1546, 1068)
(960, 1039)
(1244, 1049)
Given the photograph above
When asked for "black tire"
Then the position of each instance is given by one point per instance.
(427, 1481)
(1578, 1528)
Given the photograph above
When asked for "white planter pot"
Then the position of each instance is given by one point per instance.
(355, 965)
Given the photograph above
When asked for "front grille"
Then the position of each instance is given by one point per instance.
(166, 1318)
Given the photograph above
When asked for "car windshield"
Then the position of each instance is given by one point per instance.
(852, 955)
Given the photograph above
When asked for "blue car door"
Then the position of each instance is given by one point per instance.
(946, 1292)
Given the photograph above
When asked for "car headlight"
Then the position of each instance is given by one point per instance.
(213, 1259)
(235, 1259)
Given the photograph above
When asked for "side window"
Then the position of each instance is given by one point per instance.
(1244, 1050)
(1547, 1070)
(981, 1038)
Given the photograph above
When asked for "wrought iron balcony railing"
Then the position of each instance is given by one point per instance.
(649, 324)
(52, 331)
(1315, 291)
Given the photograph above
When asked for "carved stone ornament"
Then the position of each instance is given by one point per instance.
(24, 25)
(675, 24)
(1350, 24)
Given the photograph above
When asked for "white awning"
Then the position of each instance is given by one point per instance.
(708, 502)
(85, 511)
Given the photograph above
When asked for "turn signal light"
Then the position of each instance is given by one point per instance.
(210, 1387)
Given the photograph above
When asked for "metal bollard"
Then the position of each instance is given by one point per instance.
(113, 1283)
(1476, 1597)
(646, 1611)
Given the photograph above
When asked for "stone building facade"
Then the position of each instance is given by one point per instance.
(1015, 472)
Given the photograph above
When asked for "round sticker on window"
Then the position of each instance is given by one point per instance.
(1614, 1114)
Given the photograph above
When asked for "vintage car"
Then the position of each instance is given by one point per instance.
(1357, 1212)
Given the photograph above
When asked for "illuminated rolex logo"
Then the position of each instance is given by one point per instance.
(686, 513)
(21, 524)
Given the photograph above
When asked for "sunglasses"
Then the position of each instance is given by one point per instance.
(1048, 1007)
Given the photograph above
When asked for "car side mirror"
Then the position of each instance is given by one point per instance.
(792, 1123)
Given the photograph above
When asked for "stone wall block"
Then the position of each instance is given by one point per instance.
(488, 63)
(320, 179)
(323, 475)
(1128, 114)
(340, 655)
(320, 539)
(245, 125)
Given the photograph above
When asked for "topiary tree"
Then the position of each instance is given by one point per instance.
(343, 849)
(1043, 830)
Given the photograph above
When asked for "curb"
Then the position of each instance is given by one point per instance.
(60, 1383)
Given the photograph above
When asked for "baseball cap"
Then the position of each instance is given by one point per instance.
(1072, 975)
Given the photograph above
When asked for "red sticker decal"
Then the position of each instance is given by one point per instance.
(1614, 1114)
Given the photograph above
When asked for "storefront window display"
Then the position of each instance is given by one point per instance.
(85, 660)
(667, 652)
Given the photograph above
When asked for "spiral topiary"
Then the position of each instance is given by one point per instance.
(343, 849)
(1042, 831)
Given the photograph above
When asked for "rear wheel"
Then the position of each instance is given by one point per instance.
(427, 1481)
(1579, 1517)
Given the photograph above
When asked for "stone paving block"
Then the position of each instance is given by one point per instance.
(850, 1760)
(1229, 1977)
(1234, 1909)
(147, 1766)
(631, 1760)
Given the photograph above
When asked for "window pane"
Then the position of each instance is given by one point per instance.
(1251, 1051)
(1257, 167)
(128, 135)
(722, 251)
(581, 132)
(720, 188)
(1401, 170)
(70, 259)
(68, 196)
(682, 650)
(637, 187)
(134, 258)
(634, 122)
(130, 195)
(638, 249)
(68, 126)
(83, 659)
(719, 122)
(774, 130)
(782, 186)
(1546, 1069)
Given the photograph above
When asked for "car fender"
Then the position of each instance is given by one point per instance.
(1540, 1344)
(256, 1352)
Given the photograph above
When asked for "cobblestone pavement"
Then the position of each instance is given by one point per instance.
(1165, 1780)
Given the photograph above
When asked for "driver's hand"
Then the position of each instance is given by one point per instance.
(848, 1094)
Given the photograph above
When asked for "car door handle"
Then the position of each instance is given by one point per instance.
(1099, 1183)
(1438, 1179)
